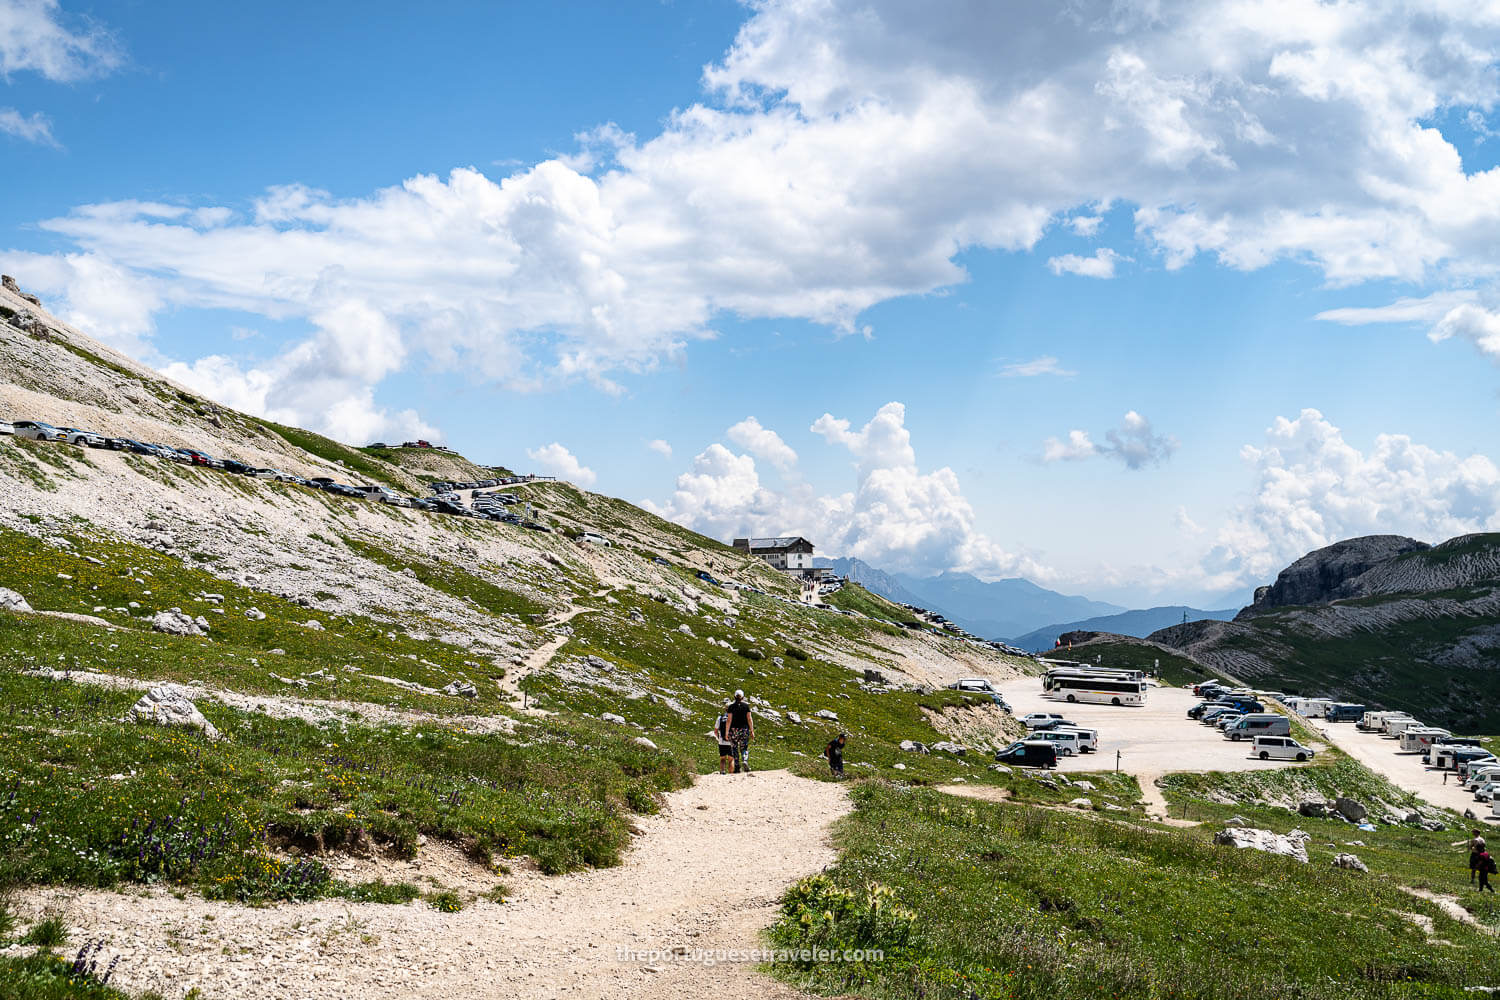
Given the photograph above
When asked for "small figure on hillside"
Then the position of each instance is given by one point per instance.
(835, 754)
(1486, 869)
(741, 731)
(721, 736)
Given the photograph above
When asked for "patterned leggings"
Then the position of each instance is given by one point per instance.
(740, 740)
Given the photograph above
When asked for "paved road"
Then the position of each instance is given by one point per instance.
(1384, 756)
(1152, 740)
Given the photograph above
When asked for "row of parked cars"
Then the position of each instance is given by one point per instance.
(447, 502)
(1048, 736)
(1240, 715)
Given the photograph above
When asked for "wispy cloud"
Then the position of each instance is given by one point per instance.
(661, 447)
(1134, 443)
(1046, 365)
(29, 128)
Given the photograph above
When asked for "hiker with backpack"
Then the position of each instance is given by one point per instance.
(1486, 869)
(741, 731)
(1476, 848)
(835, 754)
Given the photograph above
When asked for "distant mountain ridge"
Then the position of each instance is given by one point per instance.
(1137, 624)
(996, 610)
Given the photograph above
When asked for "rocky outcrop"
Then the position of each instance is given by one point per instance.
(1331, 573)
(1292, 845)
(174, 622)
(12, 601)
(168, 705)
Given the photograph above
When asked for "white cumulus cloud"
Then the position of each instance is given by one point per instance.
(764, 443)
(660, 447)
(896, 516)
(1313, 488)
(1100, 265)
(559, 461)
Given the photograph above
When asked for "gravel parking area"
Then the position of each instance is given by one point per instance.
(1152, 740)
(1405, 770)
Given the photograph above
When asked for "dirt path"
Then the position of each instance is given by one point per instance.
(1449, 905)
(537, 660)
(704, 875)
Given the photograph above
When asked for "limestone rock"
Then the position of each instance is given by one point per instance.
(174, 622)
(1312, 810)
(1081, 803)
(12, 601)
(167, 705)
(312, 624)
(794, 717)
(641, 741)
(1351, 810)
(618, 720)
(1350, 862)
(255, 614)
(948, 746)
(1084, 786)
(1293, 845)
(461, 689)
(912, 746)
(824, 713)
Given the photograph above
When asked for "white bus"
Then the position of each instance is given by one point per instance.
(1093, 688)
(1050, 678)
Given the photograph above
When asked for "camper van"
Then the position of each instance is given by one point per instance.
(1416, 739)
(1264, 724)
(1374, 722)
(1435, 752)
(1396, 725)
(1344, 712)
(1312, 708)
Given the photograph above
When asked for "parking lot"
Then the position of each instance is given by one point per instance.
(1152, 740)
(1405, 770)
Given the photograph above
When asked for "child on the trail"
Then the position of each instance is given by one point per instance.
(835, 754)
(726, 749)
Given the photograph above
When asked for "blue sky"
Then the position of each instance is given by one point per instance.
(1165, 294)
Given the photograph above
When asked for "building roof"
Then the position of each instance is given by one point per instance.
(780, 542)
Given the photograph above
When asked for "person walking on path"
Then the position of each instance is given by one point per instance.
(1486, 869)
(741, 731)
(835, 754)
(721, 734)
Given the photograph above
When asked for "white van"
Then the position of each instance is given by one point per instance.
(1258, 724)
(1088, 739)
(1416, 739)
(1280, 748)
(1065, 742)
(1395, 725)
(1312, 708)
(1480, 775)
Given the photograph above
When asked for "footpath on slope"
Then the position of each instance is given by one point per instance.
(704, 877)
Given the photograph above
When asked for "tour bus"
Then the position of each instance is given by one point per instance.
(1084, 670)
(1098, 690)
(1416, 739)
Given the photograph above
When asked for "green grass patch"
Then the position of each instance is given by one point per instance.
(353, 459)
(450, 579)
(970, 899)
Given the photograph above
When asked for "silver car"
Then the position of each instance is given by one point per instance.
(72, 435)
(6, 427)
(35, 430)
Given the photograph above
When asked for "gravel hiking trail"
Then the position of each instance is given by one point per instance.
(702, 877)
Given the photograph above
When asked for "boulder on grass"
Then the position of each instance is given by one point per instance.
(12, 601)
(167, 705)
(1292, 845)
(1312, 810)
(461, 689)
(1351, 810)
(1350, 862)
(174, 622)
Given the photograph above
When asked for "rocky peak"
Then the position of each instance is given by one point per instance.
(1331, 573)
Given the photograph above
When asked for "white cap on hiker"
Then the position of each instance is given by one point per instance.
(739, 694)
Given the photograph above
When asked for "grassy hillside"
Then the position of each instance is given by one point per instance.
(972, 899)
